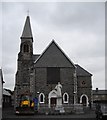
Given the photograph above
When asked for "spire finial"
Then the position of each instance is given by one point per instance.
(27, 32)
(28, 12)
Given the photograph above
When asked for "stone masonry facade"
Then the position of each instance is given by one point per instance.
(33, 73)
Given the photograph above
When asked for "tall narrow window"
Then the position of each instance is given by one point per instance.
(26, 48)
(41, 98)
(65, 98)
(53, 75)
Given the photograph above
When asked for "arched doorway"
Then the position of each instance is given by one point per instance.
(53, 102)
(52, 98)
(84, 100)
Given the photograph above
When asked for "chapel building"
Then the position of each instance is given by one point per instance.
(39, 74)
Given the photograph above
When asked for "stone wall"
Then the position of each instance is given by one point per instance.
(66, 80)
(84, 88)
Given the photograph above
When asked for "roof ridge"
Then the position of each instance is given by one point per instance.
(82, 70)
(53, 42)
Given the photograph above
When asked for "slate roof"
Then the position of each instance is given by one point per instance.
(5, 92)
(35, 57)
(99, 92)
(27, 32)
(81, 71)
(54, 43)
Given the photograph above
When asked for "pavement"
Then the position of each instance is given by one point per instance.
(8, 114)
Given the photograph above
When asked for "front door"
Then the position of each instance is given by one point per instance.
(84, 100)
(53, 102)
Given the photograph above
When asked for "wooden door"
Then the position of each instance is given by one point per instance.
(84, 100)
(53, 102)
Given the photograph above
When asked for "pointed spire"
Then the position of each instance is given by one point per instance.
(27, 32)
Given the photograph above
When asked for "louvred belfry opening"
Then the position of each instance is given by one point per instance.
(26, 46)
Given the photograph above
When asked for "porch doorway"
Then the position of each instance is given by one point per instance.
(84, 101)
(53, 102)
(52, 98)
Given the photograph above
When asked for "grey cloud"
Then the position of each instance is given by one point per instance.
(7, 70)
(70, 16)
(78, 28)
(9, 83)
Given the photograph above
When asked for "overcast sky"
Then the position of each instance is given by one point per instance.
(78, 28)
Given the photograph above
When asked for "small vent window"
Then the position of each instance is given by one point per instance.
(26, 48)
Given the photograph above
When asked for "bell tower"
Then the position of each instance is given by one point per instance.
(26, 47)
(24, 62)
(25, 56)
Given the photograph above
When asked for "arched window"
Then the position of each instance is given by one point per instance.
(41, 98)
(84, 99)
(26, 48)
(65, 98)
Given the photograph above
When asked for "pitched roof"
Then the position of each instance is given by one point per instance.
(53, 43)
(35, 57)
(99, 92)
(27, 32)
(81, 71)
(5, 92)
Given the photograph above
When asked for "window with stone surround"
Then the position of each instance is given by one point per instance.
(26, 48)
(65, 98)
(42, 98)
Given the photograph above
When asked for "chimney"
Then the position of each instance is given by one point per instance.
(96, 89)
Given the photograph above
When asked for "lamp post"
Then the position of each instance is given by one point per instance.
(74, 98)
(38, 98)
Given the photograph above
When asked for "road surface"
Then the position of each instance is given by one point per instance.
(8, 114)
